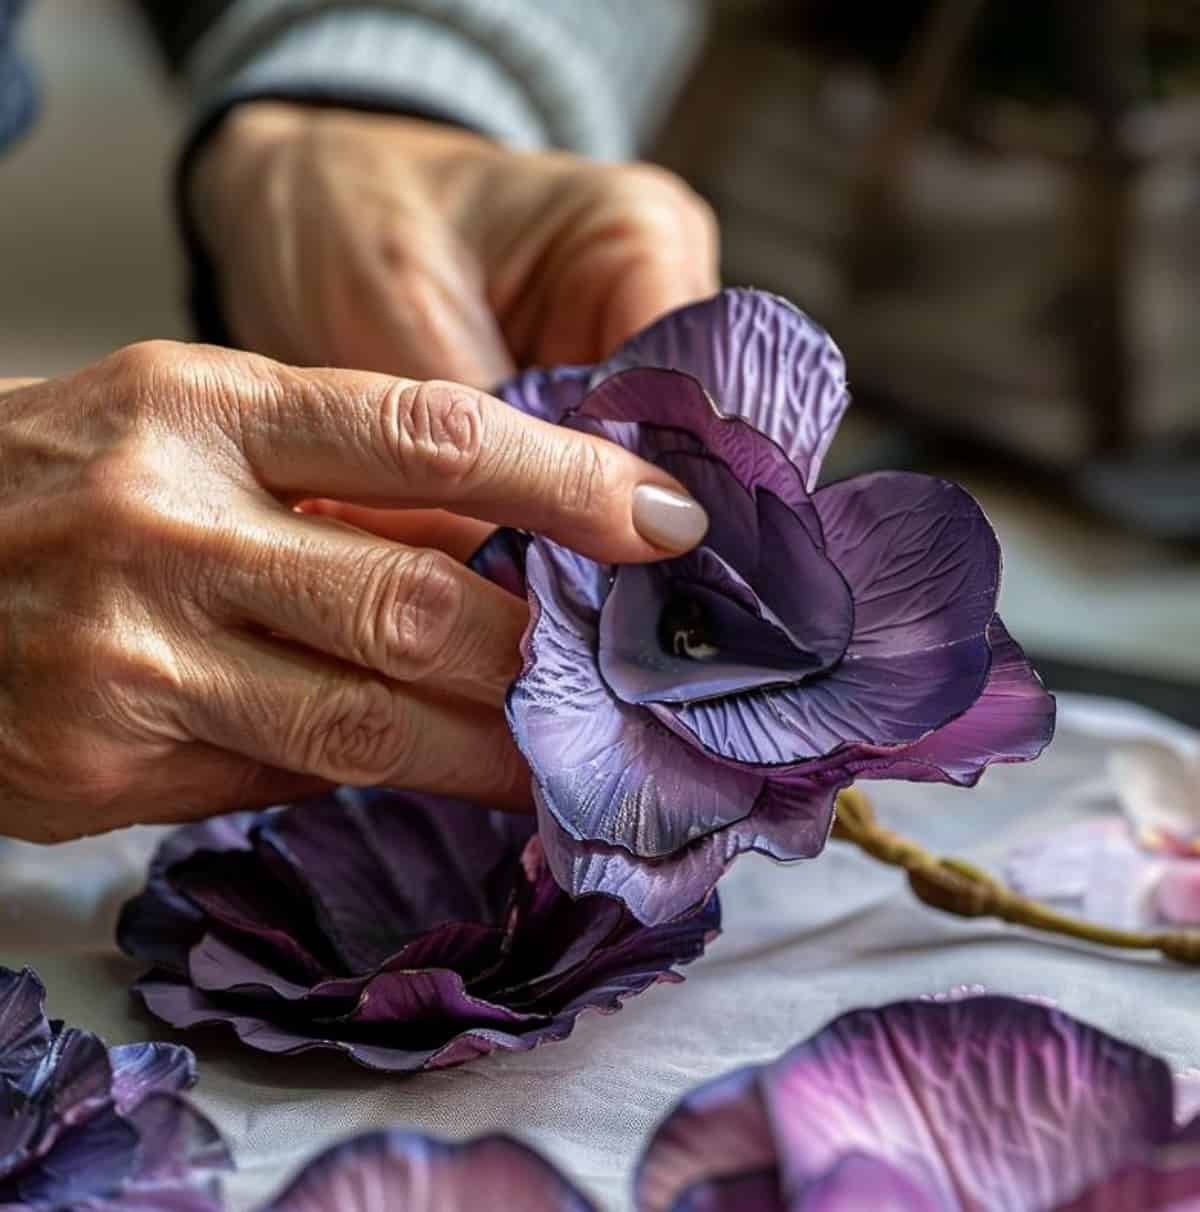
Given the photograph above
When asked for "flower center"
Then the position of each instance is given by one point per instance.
(685, 630)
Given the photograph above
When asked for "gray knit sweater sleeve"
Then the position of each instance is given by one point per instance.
(591, 76)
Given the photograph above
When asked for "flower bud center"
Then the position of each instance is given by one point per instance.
(685, 630)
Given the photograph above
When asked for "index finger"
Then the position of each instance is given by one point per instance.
(381, 441)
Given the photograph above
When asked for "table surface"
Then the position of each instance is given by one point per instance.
(801, 944)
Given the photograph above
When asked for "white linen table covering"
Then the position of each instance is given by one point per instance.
(801, 944)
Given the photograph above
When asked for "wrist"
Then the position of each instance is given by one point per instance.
(237, 152)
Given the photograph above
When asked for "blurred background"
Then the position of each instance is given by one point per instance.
(993, 204)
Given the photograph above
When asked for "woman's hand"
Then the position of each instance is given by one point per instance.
(176, 639)
(416, 248)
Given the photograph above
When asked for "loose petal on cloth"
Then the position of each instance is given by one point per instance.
(88, 1127)
(403, 931)
(669, 712)
(1135, 868)
(988, 1103)
(407, 1172)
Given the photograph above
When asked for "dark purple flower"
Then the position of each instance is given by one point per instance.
(405, 931)
(988, 1104)
(92, 1128)
(407, 1172)
(676, 715)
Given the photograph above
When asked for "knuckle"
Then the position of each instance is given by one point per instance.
(435, 427)
(410, 615)
(357, 733)
(145, 358)
(585, 488)
(658, 198)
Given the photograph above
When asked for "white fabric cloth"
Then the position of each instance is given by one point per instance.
(801, 944)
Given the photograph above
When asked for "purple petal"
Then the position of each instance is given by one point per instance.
(857, 1182)
(502, 560)
(923, 566)
(96, 1156)
(185, 1007)
(176, 1141)
(240, 897)
(663, 415)
(921, 559)
(411, 863)
(1012, 721)
(139, 1070)
(605, 769)
(761, 359)
(753, 649)
(75, 1076)
(790, 821)
(738, 1193)
(983, 1102)
(24, 1031)
(159, 925)
(547, 394)
(1170, 1184)
(400, 1170)
(719, 1130)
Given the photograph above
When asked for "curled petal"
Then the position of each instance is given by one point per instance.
(790, 821)
(605, 770)
(718, 1131)
(24, 1031)
(1011, 721)
(473, 947)
(761, 359)
(140, 1070)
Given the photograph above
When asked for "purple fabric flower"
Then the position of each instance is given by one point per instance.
(676, 715)
(988, 1104)
(404, 931)
(92, 1128)
(408, 1172)
(1137, 870)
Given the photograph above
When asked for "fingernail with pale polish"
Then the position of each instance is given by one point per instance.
(668, 519)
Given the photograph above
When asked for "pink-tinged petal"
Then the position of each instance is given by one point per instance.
(761, 359)
(790, 821)
(719, 1130)
(24, 1030)
(607, 771)
(1011, 721)
(1093, 869)
(1159, 790)
(140, 1070)
(1177, 896)
(411, 1173)
(858, 1182)
(1168, 1183)
(990, 1103)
